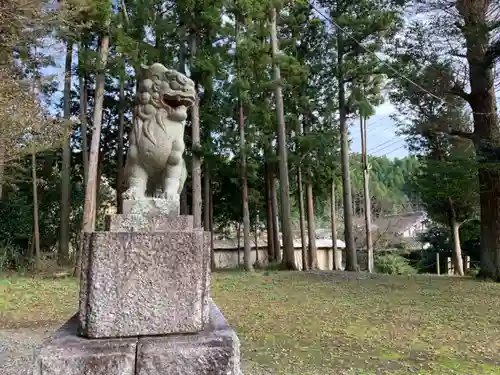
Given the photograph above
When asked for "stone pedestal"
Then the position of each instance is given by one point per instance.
(152, 207)
(144, 303)
(140, 284)
(65, 353)
(213, 351)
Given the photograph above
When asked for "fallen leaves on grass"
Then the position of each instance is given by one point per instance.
(292, 323)
(326, 323)
(29, 302)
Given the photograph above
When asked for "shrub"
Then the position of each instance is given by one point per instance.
(10, 258)
(393, 264)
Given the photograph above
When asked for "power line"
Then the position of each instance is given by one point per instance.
(395, 142)
(394, 150)
(388, 65)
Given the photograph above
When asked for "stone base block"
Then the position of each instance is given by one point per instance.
(152, 207)
(139, 284)
(140, 223)
(67, 354)
(215, 351)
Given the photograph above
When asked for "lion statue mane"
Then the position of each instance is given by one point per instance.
(155, 167)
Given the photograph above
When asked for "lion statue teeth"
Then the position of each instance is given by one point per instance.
(155, 167)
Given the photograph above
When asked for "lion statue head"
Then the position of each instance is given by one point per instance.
(162, 88)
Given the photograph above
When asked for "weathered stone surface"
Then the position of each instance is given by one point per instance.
(139, 284)
(153, 207)
(155, 166)
(140, 223)
(67, 354)
(216, 351)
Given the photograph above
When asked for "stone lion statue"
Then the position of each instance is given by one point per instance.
(155, 166)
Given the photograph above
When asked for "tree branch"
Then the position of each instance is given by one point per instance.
(494, 25)
(492, 53)
(459, 91)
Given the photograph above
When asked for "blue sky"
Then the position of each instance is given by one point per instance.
(381, 135)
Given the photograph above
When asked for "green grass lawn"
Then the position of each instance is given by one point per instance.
(313, 324)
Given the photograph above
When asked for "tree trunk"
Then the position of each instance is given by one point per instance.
(36, 225)
(120, 177)
(184, 208)
(482, 99)
(63, 255)
(269, 213)
(206, 197)
(458, 263)
(276, 227)
(337, 254)
(351, 263)
(305, 258)
(195, 137)
(2, 168)
(311, 229)
(90, 188)
(246, 212)
(238, 241)
(366, 193)
(100, 171)
(212, 250)
(368, 221)
(184, 201)
(286, 216)
(256, 235)
(489, 198)
(83, 128)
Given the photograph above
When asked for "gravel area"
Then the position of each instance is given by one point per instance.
(17, 347)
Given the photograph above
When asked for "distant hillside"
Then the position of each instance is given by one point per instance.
(388, 184)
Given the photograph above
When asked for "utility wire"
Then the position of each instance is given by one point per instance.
(387, 146)
(329, 19)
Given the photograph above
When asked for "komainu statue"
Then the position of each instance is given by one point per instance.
(155, 166)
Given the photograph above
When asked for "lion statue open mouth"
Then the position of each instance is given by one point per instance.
(155, 166)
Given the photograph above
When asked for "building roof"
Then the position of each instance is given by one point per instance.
(394, 224)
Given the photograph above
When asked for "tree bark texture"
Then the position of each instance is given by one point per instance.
(302, 218)
(63, 255)
(206, 197)
(286, 218)
(83, 127)
(269, 214)
(195, 136)
(36, 225)
(276, 227)
(311, 229)
(89, 210)
(337, 254)
(351, 263)
(458, 262)
(247, 261)
(120, 177)
(367, 198)
(482, 99)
